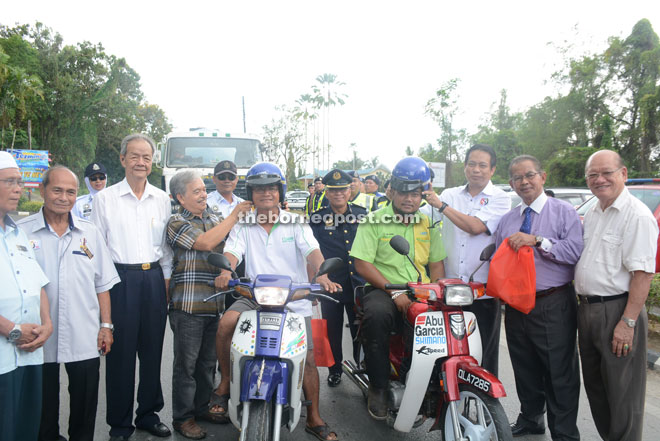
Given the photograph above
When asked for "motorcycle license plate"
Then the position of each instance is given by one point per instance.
(430, 334)
(270, 321)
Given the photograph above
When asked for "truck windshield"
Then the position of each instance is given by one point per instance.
(207, 152)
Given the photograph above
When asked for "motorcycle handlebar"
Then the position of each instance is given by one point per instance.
(323, 295)
(396, 286)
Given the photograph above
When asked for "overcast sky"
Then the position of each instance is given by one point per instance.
(196, 59)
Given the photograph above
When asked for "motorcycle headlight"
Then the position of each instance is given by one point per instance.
(458, 295)
(271, 295)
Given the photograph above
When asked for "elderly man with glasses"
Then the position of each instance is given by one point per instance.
(542, 344)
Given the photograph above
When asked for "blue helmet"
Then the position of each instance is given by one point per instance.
(265, 173)
(410, 174)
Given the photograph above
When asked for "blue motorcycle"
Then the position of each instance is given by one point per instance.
(268, 351)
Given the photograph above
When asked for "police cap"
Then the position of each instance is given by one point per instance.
(337, 179)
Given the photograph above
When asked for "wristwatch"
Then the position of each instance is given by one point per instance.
(630, 322)
(539, 241)
(442, 207)
(15, 334)
(110, 326)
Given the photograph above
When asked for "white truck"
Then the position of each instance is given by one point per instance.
(201, 149)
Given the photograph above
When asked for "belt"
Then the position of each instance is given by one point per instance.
(600, 299)
(547, 292)
(138, 266)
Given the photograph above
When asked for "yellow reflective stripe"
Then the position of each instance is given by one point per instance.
(422, 237)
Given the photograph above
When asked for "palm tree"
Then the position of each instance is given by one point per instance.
(305, 110)
(326, 95)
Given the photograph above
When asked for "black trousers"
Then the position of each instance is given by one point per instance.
(542, 346)
(83, 396)
(489, 319)
(20, 403)
(333, 313)
(139, 313)
(381, 319)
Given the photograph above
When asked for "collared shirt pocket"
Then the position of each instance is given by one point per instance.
(611, 251)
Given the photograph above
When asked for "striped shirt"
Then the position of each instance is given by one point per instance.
(190, 270)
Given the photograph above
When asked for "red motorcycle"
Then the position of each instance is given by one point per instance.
(444, 380)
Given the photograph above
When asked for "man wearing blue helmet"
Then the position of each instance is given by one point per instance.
(379, 264)
(272, 241)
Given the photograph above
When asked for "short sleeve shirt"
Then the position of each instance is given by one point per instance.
(79, 266)
(372, 244)
(283, 251)
(20, 297)
(191, 272)
(221, 206)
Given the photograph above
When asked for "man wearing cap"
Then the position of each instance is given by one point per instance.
(24, 317)
(334, 227)
(310, 188)
(222, 201)
(78, 264)
(96, 178)
(132, 216)
(317, 200)
(363, 200)
(612, 280)
(371, 184)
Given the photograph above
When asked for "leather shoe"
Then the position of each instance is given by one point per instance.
(518, 429)
(377, 403)
(189, 428)
(334, 380)
(159, 429)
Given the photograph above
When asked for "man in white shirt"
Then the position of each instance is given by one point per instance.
(471, 215)
(612, 279)
(278, 242)
(132, 216)
(77, 262)
(25, 323)
(96, 178)
(222, 201)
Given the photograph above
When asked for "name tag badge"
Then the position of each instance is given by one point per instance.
(22, 248)
(34, 244)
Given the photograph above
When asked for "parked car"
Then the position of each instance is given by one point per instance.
(574, 196)
(646, 190)
(296, 199)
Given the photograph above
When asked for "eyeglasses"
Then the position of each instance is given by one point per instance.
(97, 178)
(9, 183)
(605, 174)
(265, 189)
(225, 177)
(529, 176)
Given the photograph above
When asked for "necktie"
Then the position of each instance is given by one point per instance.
(526, 226)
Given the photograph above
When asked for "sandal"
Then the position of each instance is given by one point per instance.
(321, 432)
(217, 416)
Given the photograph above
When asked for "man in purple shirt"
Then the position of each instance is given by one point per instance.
(542, 343)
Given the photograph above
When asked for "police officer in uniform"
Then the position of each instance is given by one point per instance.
(334, 228)
(96, 179)
(317, 200)
(357, 197)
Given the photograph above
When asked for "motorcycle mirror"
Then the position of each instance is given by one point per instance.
(329, 266)
(487, 252)
(219, 260)
(400, 245)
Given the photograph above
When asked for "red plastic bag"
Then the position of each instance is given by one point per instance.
(512, 277)
(322, 350)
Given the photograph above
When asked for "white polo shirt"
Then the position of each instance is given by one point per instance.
(463, 249)
(283, 252)
(621, 239)
(134, 229)
(75, 280)
(220, 205)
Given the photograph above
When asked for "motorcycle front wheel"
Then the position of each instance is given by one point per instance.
(260, 421)
(480, 417)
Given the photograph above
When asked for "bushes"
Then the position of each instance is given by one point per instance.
(653, 299)
(31, 206)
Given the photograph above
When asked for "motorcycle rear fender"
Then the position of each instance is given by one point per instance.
(464, 369)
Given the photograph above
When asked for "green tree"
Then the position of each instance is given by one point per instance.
(327, 94)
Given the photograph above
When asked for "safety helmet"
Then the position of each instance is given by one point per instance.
(410, 174)
(265, 173)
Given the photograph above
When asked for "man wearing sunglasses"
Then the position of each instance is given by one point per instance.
(223, 200)
(96, 178)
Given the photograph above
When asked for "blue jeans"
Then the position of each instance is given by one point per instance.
(194, 363)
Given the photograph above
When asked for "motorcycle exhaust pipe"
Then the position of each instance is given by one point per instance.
(358, 376)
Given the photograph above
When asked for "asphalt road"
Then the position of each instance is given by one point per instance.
(344, 409)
